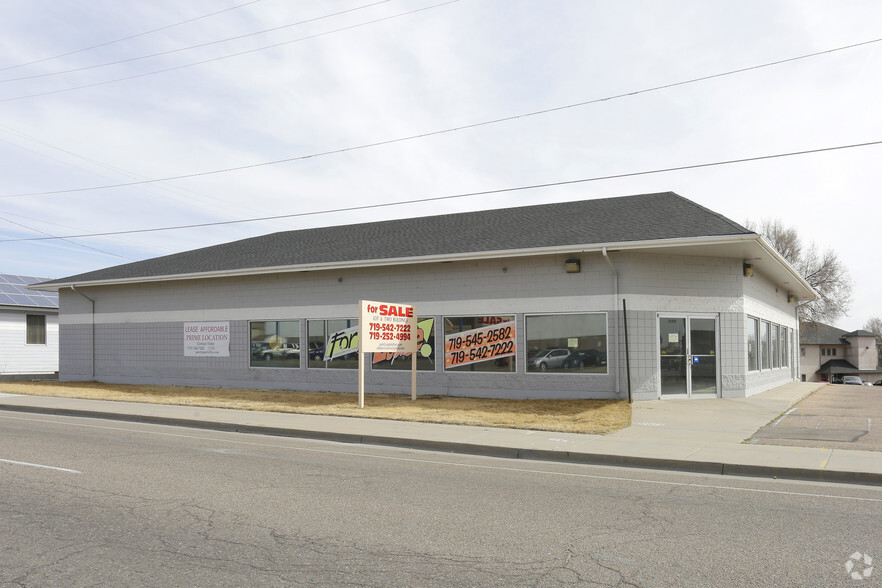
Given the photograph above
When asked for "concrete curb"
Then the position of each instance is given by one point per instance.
(602, 459)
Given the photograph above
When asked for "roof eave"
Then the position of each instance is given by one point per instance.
(441, 258)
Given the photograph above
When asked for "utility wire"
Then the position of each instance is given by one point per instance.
(170, 51)
(463, 195)
(186, 65)
(177, 24)
(65, 239)
(448, 130)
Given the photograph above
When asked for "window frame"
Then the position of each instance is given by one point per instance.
(35, 329)
(463, 369)
(254, 363)
(567, 372)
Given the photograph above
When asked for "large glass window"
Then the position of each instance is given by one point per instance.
(572, 343)
(36, 329)
(275, 344)
(785, 347)
(336, 340)
(425, 351)
(776, 346)
(765, 344)
(752, 352)
(480, 343)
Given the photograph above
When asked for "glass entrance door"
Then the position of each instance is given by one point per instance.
(688, 355)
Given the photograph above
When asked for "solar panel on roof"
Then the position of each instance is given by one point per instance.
(14, 292)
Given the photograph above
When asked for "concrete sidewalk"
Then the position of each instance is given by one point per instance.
(697, 435)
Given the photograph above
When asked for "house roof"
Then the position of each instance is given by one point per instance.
(14, 292)
(645, 220)
(821, 334)
(860, 333)
(838, 366)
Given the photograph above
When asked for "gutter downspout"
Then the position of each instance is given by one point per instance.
(616, 307)
(74, 289)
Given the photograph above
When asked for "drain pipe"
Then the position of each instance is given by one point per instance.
(616, 307)
(74, 288)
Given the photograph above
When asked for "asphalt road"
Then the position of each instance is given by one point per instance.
(85, 502)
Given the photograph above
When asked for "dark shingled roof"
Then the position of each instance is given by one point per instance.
(821, 334)
(643, 217)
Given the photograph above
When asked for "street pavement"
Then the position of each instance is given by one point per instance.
(718, 436)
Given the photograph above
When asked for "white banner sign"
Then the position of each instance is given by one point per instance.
(342, 343)
(387, 327)
(208, 339)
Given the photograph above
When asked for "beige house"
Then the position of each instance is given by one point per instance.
(827, 354)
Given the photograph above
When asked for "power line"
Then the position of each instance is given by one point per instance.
(448, 130)
(463, 195)
(170, 51)
(105, 44)
(65, 239)
(186, 65)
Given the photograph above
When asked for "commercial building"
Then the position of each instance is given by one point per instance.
(649, 294)
(28, 329)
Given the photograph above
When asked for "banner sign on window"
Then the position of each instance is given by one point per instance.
(481, 344)
(388, 327)
(424, 342)
(342, 343)
(207, 339)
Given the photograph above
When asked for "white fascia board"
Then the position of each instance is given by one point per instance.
(810, 293)
(467, 256)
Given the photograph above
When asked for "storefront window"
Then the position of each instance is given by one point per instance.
(480, 344)
(336, 340)
(785, 353)
(570, 343)
(765, 344)
(752, 327)
(425, 351)
(776, 346)
(275, 344)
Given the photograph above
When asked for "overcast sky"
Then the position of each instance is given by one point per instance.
(337, 77)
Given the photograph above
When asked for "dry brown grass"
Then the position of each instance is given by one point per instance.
(573, 416)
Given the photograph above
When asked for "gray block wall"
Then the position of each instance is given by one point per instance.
(139, 328)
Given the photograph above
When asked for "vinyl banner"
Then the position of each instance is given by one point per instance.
(208, 339)
(481, 344)
(342, 343)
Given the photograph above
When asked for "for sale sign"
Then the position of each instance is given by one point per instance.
(388, 327)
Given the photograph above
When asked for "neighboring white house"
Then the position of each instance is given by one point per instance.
(649, 296)
(28, 329)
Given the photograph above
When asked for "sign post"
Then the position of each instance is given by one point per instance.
(386, 327)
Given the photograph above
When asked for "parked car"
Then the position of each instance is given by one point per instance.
(585, 358)
(265, 352)
(877, 383)
(853, 380)
(549, 358)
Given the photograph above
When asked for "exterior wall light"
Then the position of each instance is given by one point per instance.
(791, 297)
(748, 270)
(573, 266)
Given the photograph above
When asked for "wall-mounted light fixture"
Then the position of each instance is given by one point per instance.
(791, 297)
(573, 266)
(748, 270)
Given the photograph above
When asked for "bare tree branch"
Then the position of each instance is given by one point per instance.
(824, 272)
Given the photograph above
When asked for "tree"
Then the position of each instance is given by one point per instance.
(874, 325)
(824, 272)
